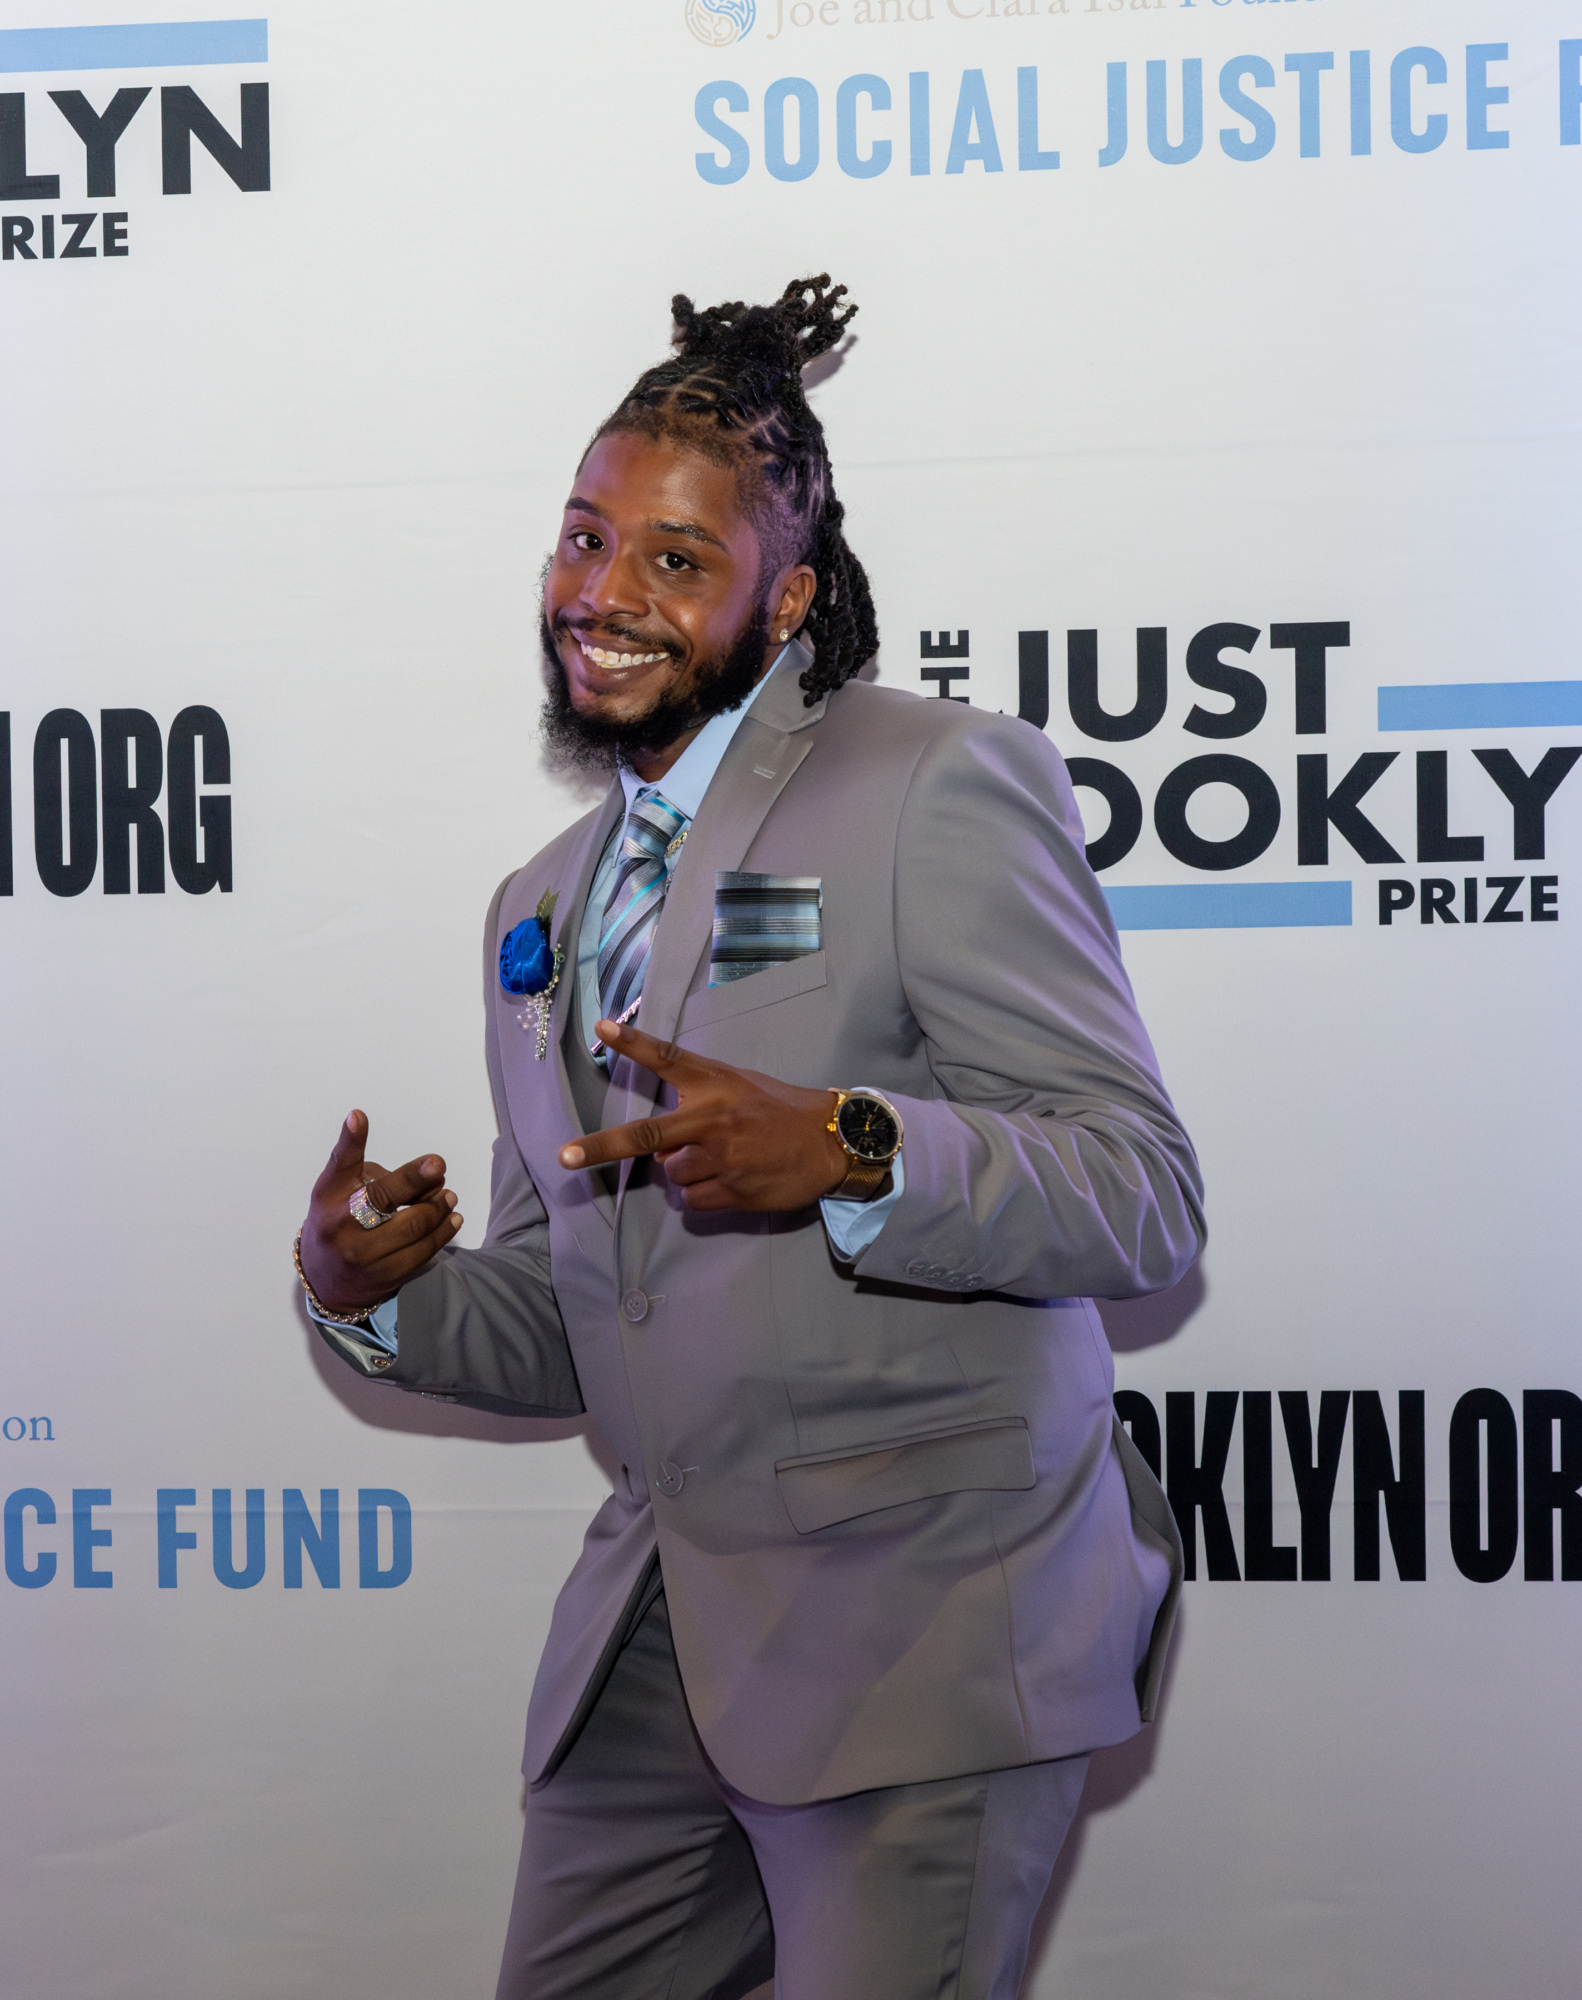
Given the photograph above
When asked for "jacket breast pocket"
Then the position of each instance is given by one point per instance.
(994, 1454)
(781, 982)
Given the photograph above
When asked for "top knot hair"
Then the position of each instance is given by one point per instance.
(733, 390)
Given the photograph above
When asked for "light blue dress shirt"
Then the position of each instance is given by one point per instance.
(850, 1225)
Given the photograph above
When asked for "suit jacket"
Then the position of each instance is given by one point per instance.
(901, 1535)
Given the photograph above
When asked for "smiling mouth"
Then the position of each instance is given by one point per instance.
(601, 656)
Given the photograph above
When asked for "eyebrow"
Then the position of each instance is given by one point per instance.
(691, 530)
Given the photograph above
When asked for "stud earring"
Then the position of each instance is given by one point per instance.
(784, 633)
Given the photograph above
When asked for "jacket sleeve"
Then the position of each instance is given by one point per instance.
(482, 1326)
(1051, 1163)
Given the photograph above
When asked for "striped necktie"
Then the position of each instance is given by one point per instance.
(637, 896)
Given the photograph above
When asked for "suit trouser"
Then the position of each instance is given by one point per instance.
(645, 1876)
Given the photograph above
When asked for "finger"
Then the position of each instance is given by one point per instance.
(676, 1065)
(423, 1229)
(688, 1165)
(346, 1155)
(412, 1182)
(364, 1247)
(630, 1142)
(382, 1280)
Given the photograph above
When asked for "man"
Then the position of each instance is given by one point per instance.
(810, 1239)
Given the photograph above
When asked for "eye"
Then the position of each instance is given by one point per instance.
(673, 562)
(586, 540)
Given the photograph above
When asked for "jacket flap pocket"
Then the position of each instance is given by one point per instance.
(739, 996)
(832, 1486)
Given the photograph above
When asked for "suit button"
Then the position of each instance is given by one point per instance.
(671, 1478)
(635, 1306)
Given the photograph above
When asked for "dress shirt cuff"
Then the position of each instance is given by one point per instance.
(370, 1347)
(853, 1225)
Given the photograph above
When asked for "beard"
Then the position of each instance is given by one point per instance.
(598, 743)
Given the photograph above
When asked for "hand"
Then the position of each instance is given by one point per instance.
(351, 1268)
(736, 1139)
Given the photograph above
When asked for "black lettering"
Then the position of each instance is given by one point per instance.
(1529, 793)
(1549, 1489)
(1434, 840)
(61, 874)
(1393, 896)
(16, 183)
(1198, 1488)
(1507, 885)
(1469, 900)
(1543, 899)
(47, 236)
(1205, 669)
(1255, 786)
(6, 880)
(1082, 686)
(1438, 895)
(1141, 1419)
(1373, 1477)
(128, 802)
(1310, 643)
(183, 117)
(16, 235)
(1483, 1410)
(80, 225)
(1318, 808)
(187, 814)
(943, 648)
(99, 131)
(1315, 1480)
(945, 676)
(113, 232)
(1267, 1561)
(1032, 677)
(1126, 809)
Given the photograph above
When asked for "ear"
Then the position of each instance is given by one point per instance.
(792, 599)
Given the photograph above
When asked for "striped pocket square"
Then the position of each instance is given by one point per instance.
(763, 920)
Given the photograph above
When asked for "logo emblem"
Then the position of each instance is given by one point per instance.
(718, 23)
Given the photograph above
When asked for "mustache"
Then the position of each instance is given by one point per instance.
(603, 629)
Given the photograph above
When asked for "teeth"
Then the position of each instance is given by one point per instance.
(602, 658)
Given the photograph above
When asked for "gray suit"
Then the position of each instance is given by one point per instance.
(901, 1536)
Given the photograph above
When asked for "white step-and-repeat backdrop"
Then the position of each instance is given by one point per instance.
(1214, 406)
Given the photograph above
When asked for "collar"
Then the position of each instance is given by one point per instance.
(690, 776)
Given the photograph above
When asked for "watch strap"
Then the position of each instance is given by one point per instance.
(863, 1181)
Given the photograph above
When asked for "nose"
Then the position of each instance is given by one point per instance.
(609, 588)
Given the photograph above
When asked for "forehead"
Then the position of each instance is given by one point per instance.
(636, 481)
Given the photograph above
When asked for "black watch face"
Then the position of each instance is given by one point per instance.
(868, 1129)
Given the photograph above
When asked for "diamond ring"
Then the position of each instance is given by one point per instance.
(366, 1211)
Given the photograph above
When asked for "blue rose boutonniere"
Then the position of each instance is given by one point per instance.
(530, 966)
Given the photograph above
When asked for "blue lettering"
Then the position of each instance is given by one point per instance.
(85, 1538)
(1571, 93)
(1115, 92)
(1028, 158)
(1481, 94)
(861, 166)
(371, 1500)
(775, 128)
(720, 173)
(918, 89)
(322, 1542)
(1435, 125)
(16, 1566)
(1309, 68)
(1237, 100)
(973, 115)
(1191, 113)
(1361, 101)
(224, 1542)
(171, 1537)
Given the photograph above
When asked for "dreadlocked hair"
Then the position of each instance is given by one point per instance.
(733, 391)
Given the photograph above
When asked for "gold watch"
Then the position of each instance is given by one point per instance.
(869, 1130)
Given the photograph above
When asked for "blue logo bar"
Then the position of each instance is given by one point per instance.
(1229, 906)
(1482, 705)
(135, 45)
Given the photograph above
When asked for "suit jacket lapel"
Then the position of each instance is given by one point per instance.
(774, 737)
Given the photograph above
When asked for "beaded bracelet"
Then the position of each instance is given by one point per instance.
(325, 1312)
